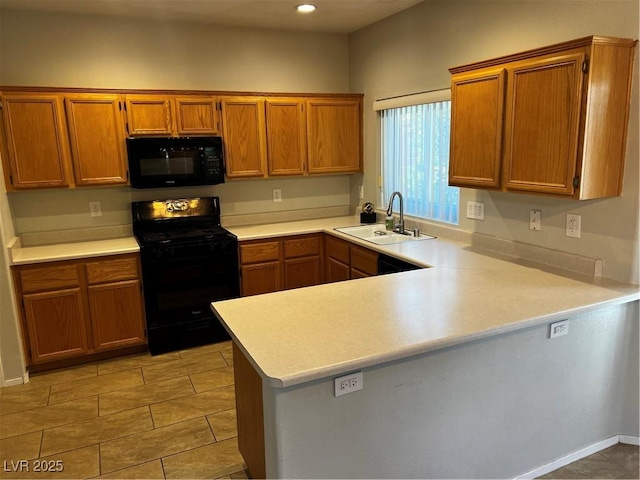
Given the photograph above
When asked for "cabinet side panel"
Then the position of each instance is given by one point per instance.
(250, 417)
(607, 118)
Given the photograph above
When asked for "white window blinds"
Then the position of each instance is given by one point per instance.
(415, 160)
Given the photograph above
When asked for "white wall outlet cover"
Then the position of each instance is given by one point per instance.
(277, 195)
(559, 329)
(348, 384)
(535, 220)
(573, 225)
(95, 208)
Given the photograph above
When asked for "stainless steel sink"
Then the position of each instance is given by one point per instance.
(377, 234)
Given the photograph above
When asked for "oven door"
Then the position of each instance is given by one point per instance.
(179, 285)
(181, 282)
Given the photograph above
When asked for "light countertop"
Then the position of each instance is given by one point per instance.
(72, 251)
(469, 294)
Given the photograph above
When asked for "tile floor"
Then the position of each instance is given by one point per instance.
(166, 416)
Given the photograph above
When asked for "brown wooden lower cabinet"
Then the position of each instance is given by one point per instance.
(76, 308)
(346, 261)
(281, 263)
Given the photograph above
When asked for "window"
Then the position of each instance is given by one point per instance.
(415, 160)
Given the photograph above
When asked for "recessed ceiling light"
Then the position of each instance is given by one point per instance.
(306, 8)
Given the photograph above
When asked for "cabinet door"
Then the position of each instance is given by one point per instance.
(286, 136)
(36, 140)
(116, 314)
(334, 136)
(337, 271)
(302, 272)
(364, 260)
(477, 118)
(543, 119)
(96, 133)
(261, 278)
(243, 127)
(149, 115)
(197, 116)
(56, 325)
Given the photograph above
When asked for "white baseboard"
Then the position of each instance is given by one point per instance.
(13, 382)
(630, 440)
(585, 452)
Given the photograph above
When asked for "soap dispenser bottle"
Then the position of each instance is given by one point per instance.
(389, 223)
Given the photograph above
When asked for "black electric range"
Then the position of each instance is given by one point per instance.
(188, 260)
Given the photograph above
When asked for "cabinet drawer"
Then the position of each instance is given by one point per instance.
(302, 247)
(364, 260)
(338, 249)
(49, 278)
(112, 270)
(259, 252)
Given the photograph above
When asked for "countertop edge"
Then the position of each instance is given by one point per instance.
(343, 368)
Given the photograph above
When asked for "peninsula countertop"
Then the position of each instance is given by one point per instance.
(296, 336)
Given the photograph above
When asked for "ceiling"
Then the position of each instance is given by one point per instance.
(335, 16)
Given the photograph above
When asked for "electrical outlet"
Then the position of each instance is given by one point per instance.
(573, 225)
(348, 384)
(95, 208)
(277, 195)
(559, 329)
(535, 220)
(475, 210)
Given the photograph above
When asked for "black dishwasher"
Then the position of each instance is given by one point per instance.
(387, 264)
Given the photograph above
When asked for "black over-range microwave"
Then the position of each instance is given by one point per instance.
(175, 162)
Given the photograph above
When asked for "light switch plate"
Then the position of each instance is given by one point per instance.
(475, 210)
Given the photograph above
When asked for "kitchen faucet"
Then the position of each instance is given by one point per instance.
(399, 227)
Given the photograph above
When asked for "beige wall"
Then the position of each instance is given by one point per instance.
(412, 51)
(90, 51)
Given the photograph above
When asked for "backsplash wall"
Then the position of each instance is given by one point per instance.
(52, 209)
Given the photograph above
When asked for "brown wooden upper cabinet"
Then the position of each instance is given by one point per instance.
(280, 136)
(171, 115)
(334, 135)
(35, 137)
(97, 137)
(548, 121)
(244, 136)
(286, 136)
(197, 115)
(63, 140)
(149, 115)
